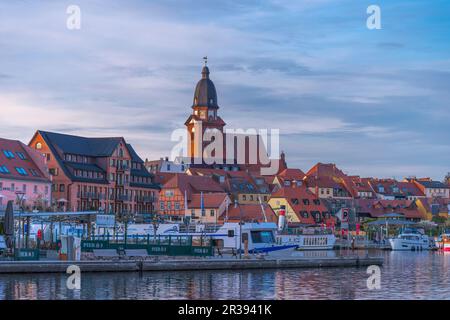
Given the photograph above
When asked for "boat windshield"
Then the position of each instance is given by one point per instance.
(262, 236)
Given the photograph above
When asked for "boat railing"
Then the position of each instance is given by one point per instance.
(172, 240)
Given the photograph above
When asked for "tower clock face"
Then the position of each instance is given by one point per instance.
(202, 114)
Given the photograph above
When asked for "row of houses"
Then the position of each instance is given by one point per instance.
(71, 173)
(307, 198)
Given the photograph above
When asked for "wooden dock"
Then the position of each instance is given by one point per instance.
(184, 264)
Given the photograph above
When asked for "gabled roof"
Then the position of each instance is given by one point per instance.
(134, 156)
(33, 161)
(291, 174)
(250, 213)
(323, 182)
(192, 184)
(432, 184)
(410, 189)
(295, 196)
(210, 200)
(325, 170)
(376, 208)
(92, 147)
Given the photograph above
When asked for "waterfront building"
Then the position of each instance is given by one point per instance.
(327, 181)
(288, 177)
(96, 174)
(301, 206)
(374, 208)
(391, 189)
(245, 187)
(24, 176)
(432, 207)
(182, 190)
(207, 207)
(432, 188)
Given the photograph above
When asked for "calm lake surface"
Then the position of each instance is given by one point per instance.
(405, 275)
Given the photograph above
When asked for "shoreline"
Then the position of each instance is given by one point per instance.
(17, 267)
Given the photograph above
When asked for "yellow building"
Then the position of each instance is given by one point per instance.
(429, 207)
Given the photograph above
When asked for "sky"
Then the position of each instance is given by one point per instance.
(375, 102)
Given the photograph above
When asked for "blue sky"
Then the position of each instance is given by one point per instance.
(375, 102)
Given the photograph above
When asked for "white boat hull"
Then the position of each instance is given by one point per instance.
(404, 244)
(310, 242)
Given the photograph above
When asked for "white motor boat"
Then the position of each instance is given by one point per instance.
(410, 239)
(262, 237)
(257, 237)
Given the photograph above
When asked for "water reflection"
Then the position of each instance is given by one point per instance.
(405, 275)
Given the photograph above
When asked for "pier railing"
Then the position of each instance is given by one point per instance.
(155, 245)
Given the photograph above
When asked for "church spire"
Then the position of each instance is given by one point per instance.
(205, 70)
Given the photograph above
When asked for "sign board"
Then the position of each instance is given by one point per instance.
(105, 220)
(26, 254)
(343, 214)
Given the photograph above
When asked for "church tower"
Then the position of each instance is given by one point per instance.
(204, 112)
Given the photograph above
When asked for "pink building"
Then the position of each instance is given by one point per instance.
(23, 175)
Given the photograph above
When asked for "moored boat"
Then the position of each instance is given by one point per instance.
(443, 242)
(411, 239)
(322, 240)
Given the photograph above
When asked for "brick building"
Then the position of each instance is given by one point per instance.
(96, 174)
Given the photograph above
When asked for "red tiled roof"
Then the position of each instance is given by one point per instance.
(210, 200)
(288, 173)
(163, 177)
(410, 189)
(323, 182)
(325, 170)
(34, 162)
(376, 208)
(250, 212)
(192, 184)
(295, 195)
(359, 184)
(206, 171)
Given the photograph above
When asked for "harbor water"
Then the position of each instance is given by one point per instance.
(404, 275)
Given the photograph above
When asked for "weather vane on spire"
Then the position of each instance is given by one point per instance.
(205, 58)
